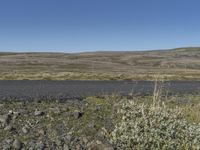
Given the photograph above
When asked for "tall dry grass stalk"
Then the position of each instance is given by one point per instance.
(157, 94)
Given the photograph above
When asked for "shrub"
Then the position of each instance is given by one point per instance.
(153, 127)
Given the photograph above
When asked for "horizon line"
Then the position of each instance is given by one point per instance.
(88, 51)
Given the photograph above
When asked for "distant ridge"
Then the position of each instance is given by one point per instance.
(107, 51)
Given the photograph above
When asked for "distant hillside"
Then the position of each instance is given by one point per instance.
(179, 63)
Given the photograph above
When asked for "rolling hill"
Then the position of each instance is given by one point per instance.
(173, 64)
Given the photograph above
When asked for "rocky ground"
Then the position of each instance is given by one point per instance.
(42, 125)
(74, 124)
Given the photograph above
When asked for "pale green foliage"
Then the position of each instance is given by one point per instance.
(154, 127)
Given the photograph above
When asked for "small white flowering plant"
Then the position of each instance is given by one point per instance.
(153, 126)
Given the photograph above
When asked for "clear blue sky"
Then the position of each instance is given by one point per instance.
(90, 25)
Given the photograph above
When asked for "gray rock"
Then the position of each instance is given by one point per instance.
(25, 130)
(17, 144)
(38, 113)
(77, 114)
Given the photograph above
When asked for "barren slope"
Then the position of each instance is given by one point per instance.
(182, 63)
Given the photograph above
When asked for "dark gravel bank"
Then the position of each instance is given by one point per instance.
(66, 90)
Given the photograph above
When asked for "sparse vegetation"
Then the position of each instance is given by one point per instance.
(154, 127)
(177, 64)
(94, 122)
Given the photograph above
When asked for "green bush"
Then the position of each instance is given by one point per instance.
(153, 127)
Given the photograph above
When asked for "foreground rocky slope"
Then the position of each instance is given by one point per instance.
(101, 123)
(51, 125)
